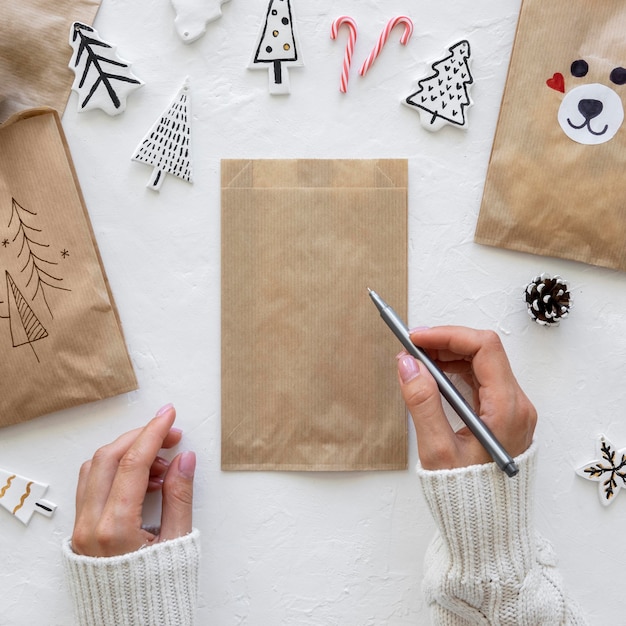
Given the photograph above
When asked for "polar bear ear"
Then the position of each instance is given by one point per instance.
(618, 76)
(579, 68)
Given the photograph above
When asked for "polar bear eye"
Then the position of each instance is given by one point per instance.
(579, 68)
(618, 76)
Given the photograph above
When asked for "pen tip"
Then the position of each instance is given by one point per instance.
(369, 290)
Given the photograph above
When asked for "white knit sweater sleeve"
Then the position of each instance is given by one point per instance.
(157, 584)
(486, 564)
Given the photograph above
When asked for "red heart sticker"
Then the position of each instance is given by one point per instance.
(557, 82)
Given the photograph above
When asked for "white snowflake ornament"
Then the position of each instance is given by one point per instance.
(609, 471)
(103, 80)
(443, 96)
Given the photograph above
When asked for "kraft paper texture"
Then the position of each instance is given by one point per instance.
(60, 336)
(546, 193)
(34, 52)
(308, 373)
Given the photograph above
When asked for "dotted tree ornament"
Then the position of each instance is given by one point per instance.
(277, 46)
(548, 299)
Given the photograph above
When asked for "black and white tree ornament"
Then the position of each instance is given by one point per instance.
(548, 299)
(277, 46)
(443, 96)
(167, 146)
(609, 470)
(103, 80)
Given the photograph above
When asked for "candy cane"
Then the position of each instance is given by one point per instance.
(408, 31)
(347, 59)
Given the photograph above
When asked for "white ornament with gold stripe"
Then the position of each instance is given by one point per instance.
(22, 496)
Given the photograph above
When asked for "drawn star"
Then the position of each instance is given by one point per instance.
(5, 243)
(65, 253)
(609, 471)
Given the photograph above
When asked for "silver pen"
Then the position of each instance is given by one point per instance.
(448, 390)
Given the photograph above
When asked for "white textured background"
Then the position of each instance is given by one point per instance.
(295, 548)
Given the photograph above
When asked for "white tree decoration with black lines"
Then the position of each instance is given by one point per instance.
(277, 46)
(167, 146)
(442, 97)
(609, 471)
(35, 268)
(103, 80)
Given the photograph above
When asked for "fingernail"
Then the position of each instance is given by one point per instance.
(401, 354)
(418, 328)
(160, 464)
(187, 464)
(164, 409)
(408, 368)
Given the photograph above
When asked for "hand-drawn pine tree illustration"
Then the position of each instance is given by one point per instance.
(609, 471)
(25, 326)
(35, 267)
(167, 146)
(443, 96)
(103, 80)
(277, 46)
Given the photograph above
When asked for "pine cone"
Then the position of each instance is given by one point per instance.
(548, 299)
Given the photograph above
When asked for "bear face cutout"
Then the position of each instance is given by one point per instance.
(591, 113)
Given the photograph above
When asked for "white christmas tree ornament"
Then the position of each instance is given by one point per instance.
(277, 46)
(167, 146)
(443, 96)
(22, 497)
(192, 16)
(609, 471)
(103, 80)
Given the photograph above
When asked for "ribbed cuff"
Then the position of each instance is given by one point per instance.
(154, 585)
(485, 518)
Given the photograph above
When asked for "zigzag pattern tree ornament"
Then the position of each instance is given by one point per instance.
(103, 80)
(609, 471)
(167, 146)
(22, 496)
(443, 96)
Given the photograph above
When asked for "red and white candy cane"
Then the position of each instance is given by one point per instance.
(406, 35)
(347, 59)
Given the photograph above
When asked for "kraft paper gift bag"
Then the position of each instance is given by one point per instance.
(34, 52)
(60, 336)
(308, 374)
(555, 184)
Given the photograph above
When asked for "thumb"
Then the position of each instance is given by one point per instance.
(436, 441)
(176, 516)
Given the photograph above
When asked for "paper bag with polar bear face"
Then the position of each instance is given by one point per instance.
(556, 183)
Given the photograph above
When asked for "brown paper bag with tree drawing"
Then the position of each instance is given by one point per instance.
(34, 52)
(555, 184)
(308, 376)
(60, 336)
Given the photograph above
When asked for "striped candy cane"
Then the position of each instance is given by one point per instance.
(347, 59)
(408, 31)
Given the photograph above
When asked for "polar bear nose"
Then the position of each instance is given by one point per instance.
(590, 108)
